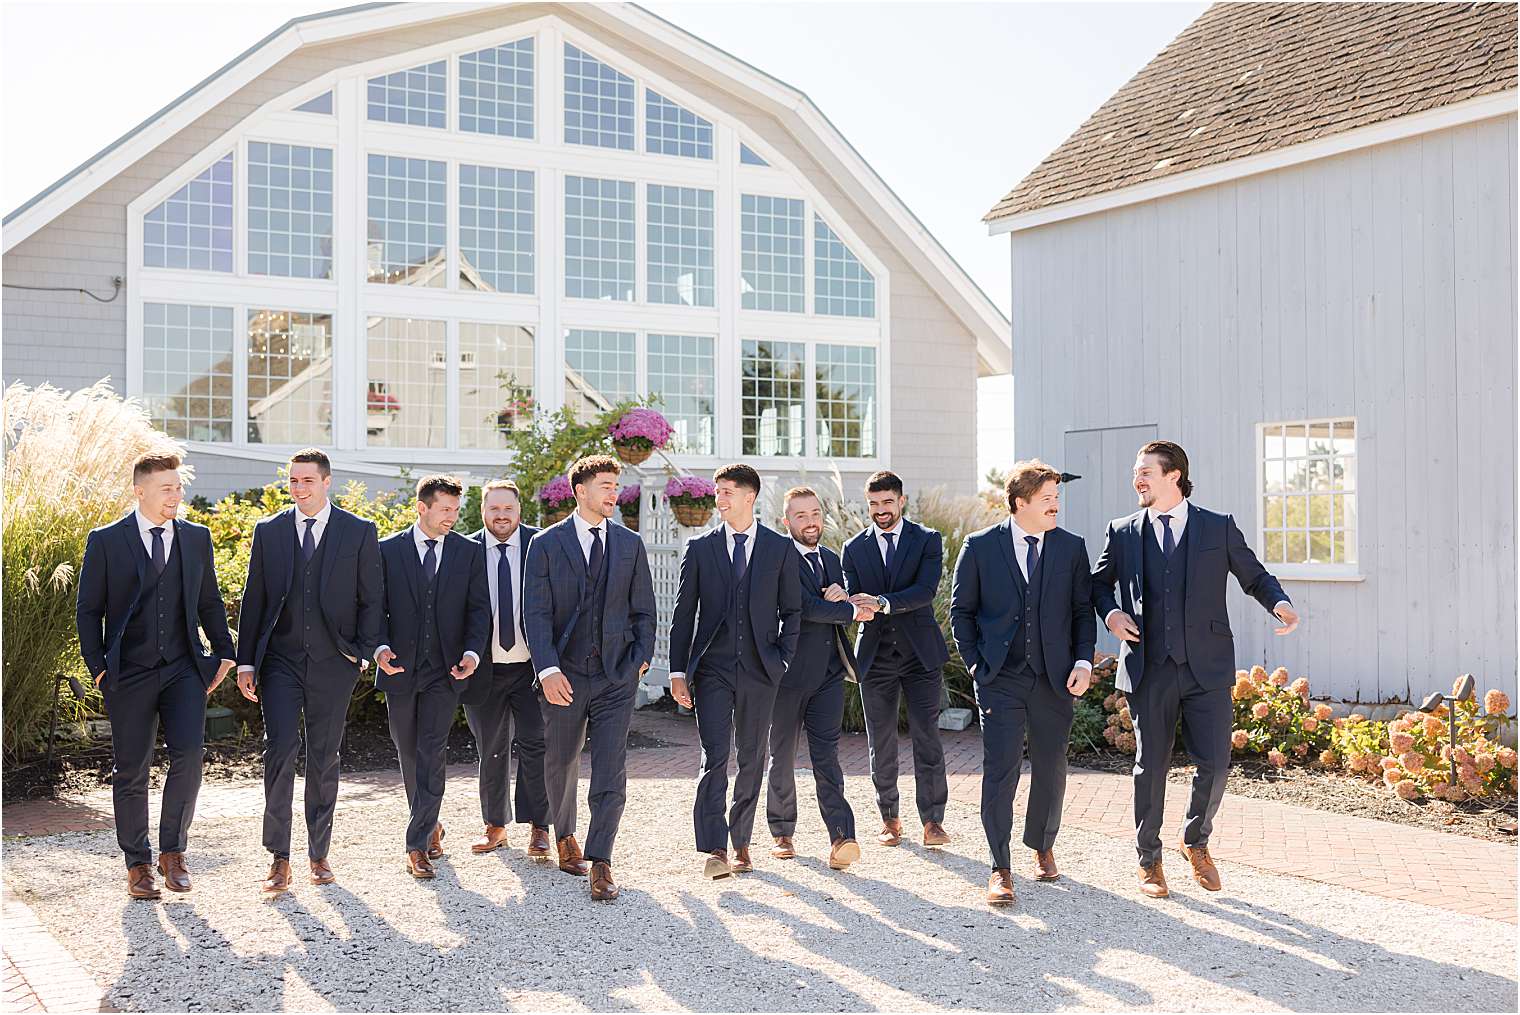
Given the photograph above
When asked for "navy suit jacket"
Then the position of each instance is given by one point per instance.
(822, 648)
(1215, 550)
(351, 584)
(987, 603)
(110, 582)
(476, 692)
(555, 593)
(706, 587)
(461, 605)
(917, 566)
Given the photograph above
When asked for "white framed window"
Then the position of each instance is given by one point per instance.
(496, 229)
(188, 370)
(771, 253)
(408, 221)
(289, 377)
(772, 397)
(495, 382)
(842, 287)
(681, 371)
(416, 96)
(598, 102)
(748, 156)
(601, 369)
(405, 398)
(844, 393)
(1308, 491)
(192, 228)
(599, 246)
(672, 129)
(290, 210)
(680, 253)
(322, 104)
(496, 90)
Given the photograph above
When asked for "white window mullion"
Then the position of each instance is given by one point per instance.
(640, 241)
(451, 386)
(810, 447)
(548, 343)
(240, 375)
(726, 360)
(451, 224)
(350, 253)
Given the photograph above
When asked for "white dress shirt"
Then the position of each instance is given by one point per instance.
(145, 529)
(583, 534)
(317, 529)
(419, 540)
(749, 554)
(1021, 554)
(519, 652)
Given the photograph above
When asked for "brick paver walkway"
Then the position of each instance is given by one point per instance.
(1446, 871)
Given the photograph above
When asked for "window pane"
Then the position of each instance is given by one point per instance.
(289, 377)
(599, 370)
(495, 382)
(680, 230)
(681, 373)
(771, 396)
(321, 104)
(407, 384)
(496, 90)
(598, 239)
(598, 103)
(771, 253)
(496, 229)
(841, 284)
(193, 227)
(290, 210)
(846, 400)
(407, 221)
(670, 129)
(748, 157)
(414, 97)
(1312, 488)
(187, 370)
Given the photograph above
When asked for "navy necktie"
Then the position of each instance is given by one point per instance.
(891, 538)
(159, 560)
(817, 561)
(506, 623)
(1033, 558)
(1167, 543)
(594, 565)
(308, 541)
(739, 561)
(430, 560)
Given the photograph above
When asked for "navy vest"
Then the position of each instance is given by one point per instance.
(733, 643)
(584, 649)
(301, 633)
(1027, 652)
(1165, 589)
(430, 645)
(156, 633)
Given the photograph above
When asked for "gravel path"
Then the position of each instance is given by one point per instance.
(903, 930)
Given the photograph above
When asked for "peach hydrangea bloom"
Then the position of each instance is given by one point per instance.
(1322, 711)
(1277, 758)
(1413, 761)
(1406, 789)
(1400, 726)
(1468, 774)
(1258, 674)
(1400, 742)
(1327, 758)
(1300, 750)
(1496, 702)
(1126, 741)
(1279, 677)
(1438, 789)
(1356, 717)
(1300, 687)
(1391, 776)
(1238, 739)
(1389, 762)
(1261, 710)
(1506, 757)
(1434, 727)
(1484, 761)
(1463, 758)
(1310, 724)
(1242, 676)
(1456, 794)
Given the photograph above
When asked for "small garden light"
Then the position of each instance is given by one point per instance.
(1463, 691)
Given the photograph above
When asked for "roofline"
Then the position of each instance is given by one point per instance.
(989, 326)
(1483, 107)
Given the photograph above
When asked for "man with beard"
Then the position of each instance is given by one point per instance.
(811, 694)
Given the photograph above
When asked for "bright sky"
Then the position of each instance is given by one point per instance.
(952, 103)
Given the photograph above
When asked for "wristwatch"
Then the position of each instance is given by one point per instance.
(881, 603)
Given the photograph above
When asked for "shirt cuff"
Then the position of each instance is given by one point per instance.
(887, 605)
(382, 648)
(244, 669)
(548, 671)
(1281, 603)
(1110, 616)
(472, 652)
(678, 675)
(1084, 664)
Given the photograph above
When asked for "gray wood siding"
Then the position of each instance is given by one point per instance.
(1379, 284)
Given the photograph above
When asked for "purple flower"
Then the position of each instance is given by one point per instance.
(629, 495)
(695, 488)
(641, 425)
(557, 491)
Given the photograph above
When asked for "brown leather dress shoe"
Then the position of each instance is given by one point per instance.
(1000, 887)
(321, 872)
(741, 864)
(278, 880)
(1204, 871)
(176, 875)
(716, 865)
(1045, 865)
(603, 889)
(140, 884)
(494, 837)
(891, 832)
(570, 859)
(419, 866)
(435, 843)
(783, 850)
(1153, 881)
(538, 844)
(935, 834)
(843, 853)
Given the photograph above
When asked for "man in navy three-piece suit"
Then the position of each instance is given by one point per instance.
(733, 634)
(591, 629)
(147, 588)
(437, 620)
(1021, 613)
(311, 614)
(1170, 562)
(893, 567)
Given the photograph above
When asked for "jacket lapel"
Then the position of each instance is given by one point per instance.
(413, 564)
(332, 539)
(1134, 550)
(1193, 536)
(135, 547)
(1005, 543)
(871, 546)
(907, 541)
(570, 545)
(189, 571)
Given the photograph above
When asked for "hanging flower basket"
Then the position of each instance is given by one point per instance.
(628, 505)
(691, 499)
(638, 433)
(555, 501)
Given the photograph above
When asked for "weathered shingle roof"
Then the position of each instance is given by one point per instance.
(1248, 78)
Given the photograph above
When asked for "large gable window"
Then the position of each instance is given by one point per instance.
(841, 285)
(598, 102)
(193, 227)
(496, 90)
(289, 376)
(415, 97)
(600, 369)
(496, 229)
(187, 370)
(845, 393)
(771, 253)
(599, 247)
(680, 225)
(670, 129)
(290, 210)
(407, 221)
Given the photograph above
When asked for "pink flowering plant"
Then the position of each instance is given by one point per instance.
(695, 491)
(556, 495)
(628, 499)
(645, 429)
(1274, 718)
